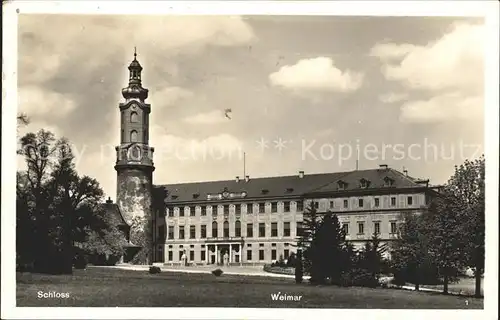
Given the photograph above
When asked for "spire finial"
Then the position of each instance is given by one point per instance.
(135, 52)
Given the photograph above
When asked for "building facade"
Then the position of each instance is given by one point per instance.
(246, 221)
(257, 221)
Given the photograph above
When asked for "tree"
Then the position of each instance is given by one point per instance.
(327, 245)
(306, 235)
(409, 251)
(55, 206)
(467, 189)
(443, 223)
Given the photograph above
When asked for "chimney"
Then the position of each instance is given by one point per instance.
(237, 179)
(301, 174)
(383, 166)
(109, 200)
(405, 172)
(247, 178)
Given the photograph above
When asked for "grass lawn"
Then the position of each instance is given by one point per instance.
(106, 287)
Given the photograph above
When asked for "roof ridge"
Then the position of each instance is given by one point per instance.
(326, 184)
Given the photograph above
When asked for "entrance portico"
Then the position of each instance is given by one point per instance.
(217, 249)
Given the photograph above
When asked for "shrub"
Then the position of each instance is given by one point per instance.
(154, 270)
(80, 261)
(217, 272)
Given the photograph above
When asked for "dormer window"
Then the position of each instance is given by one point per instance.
(363, 183)
(388, 182)
(342, 185)
(265, 191)
(174, 196)
(289, 190)
(196, 195)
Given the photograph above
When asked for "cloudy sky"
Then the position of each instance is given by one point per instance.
(305, 92)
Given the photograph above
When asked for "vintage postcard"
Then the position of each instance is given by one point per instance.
(250, 160)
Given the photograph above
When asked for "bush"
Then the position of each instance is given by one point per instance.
(217, 272)
(154, 270)
(80, 261)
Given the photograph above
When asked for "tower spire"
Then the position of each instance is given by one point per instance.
(135, 52)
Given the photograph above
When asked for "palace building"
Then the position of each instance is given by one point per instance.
(245, 220)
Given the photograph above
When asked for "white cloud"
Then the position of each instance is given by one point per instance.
(212, 117)
(446, 107)
(317, 74)
(455, 61)
(35, 101)
(49, 46)
(392, 97)
(170, 96)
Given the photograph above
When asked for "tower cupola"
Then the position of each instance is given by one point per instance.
(135, 89)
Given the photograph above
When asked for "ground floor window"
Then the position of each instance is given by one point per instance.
(261, 255)
(203, 256)
(273, 254)
(286, 253)
(191, 255)
(249, 255)
(170, 256)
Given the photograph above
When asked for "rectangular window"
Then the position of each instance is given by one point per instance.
(161, 233)
(394, 228)
(377, 202)
(170, 232)
(332, 204)
(393, 201)
(262, 230)
(249, 255)
(316, 205)
(203, 255)
(376, 227)
(273, 254)
(203, 231)
(410, 200)
(274, 229)
(286, 253)
(345, 228)
(249, 230)
(300, 229)
(191, 255)
(170, 212)
(262, 207)
(346, 204)
(192, 232)
(181, 212)
(286, 229)
(261, 255)
(192, 211)
(286, 206)
(181, 252)
(250, 208)
(203, 210)
(274, 207)
(300, 206)
(360, 203)
(181, 232)
(170, 255)
(361, 228)
(237, 208)
(237, 229)
(226, 210)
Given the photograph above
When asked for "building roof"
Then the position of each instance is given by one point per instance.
(285, 186)
(113, 213)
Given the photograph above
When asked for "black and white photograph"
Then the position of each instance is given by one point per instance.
(250, 160)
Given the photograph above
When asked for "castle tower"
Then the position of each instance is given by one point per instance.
(134, 156)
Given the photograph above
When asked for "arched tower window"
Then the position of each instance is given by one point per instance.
(237, 228)
(226, 229)
(214, 229)
(134, 117)
(133, 136)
